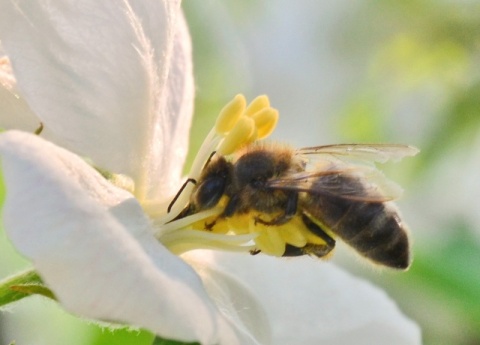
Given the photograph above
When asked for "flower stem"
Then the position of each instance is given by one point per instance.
(22, 285)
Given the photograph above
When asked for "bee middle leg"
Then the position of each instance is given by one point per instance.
(289, 211)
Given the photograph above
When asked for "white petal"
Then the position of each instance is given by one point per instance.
(312, 302)
(92, 245)
(95, 72)
(14, 110)
(166, 163)
(238, 304)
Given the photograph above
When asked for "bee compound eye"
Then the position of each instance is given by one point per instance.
(209, 192)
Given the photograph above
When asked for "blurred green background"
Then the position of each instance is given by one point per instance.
(348, 71)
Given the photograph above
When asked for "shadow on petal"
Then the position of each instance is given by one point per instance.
(234, 299)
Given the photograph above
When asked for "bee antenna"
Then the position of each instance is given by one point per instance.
(210, 158)
(192, 180)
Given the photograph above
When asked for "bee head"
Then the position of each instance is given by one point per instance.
(212, 184)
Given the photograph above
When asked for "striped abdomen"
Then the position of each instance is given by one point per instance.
(374, 229)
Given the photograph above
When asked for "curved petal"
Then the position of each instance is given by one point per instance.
(237, 303)
(94, 72)
(93, 246)
(311, 302)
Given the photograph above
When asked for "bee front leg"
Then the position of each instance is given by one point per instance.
(290, 210)
(230, 209)
(232, 206)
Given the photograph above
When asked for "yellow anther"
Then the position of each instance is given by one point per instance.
(265, 121)
(241, 134)
(257, 104)
(230, 114)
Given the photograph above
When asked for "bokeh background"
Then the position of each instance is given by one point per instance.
(341, 72)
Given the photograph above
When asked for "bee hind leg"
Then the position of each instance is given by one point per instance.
(319, 250)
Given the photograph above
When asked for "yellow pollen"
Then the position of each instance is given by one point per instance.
(230, 114)
(265, 121)
(257, 104)
(241, 134)
(291, 232)
(270, 242)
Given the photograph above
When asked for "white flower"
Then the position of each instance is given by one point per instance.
(112, 82)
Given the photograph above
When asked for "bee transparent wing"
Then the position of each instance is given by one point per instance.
(364, 152)
(359, 183)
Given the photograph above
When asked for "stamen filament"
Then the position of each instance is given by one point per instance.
(182, 223)
(208, 146)
(184, 240)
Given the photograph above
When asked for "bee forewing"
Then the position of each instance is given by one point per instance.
(363, 183)
(375, 182)
(366, 152)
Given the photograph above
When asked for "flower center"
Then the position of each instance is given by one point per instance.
(237, 125)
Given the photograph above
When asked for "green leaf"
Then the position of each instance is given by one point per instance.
(22, 285)
(161, 341)
(451, 272)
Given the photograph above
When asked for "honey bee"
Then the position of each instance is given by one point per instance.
(333, 191)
